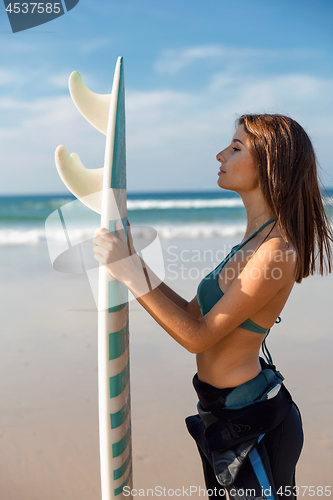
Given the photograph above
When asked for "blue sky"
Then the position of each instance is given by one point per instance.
(191, 68)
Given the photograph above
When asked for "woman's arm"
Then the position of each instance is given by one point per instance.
(191, 307)
(262, 277)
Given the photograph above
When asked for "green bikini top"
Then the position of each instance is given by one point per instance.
(209, 292)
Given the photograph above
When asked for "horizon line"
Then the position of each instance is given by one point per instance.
(68, 193)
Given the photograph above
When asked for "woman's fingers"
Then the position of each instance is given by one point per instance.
(99, 250)
(109, 247)
(99, 258)
(105, 242)
(112, 251)
(101, 230)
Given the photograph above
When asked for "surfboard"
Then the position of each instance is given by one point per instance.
(104, 191)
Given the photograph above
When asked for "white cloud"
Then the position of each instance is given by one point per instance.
(6, 77)
(94, 45)
(29, 83)
(138, 101)
(60, 81)
(173, 60)
(13, 47)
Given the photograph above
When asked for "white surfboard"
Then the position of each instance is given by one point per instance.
(104, 191)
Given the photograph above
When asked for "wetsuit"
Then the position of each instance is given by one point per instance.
(249, 437)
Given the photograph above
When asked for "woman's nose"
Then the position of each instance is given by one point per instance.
(219, 157)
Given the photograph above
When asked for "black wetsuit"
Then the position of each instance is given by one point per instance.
(279, 451)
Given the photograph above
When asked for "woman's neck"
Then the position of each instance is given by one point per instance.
(257, 210)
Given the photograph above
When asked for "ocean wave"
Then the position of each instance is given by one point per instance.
(183, 204)
(191, 231)
(36, 236)
(166, 232)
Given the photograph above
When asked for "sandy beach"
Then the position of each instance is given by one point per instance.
(48, 380)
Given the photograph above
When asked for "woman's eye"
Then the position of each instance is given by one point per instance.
(235, 149)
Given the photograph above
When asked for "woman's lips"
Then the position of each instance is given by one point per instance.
(221, 172)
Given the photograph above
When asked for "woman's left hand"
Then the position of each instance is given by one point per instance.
(112, 252)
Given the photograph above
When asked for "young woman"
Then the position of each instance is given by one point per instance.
(248, 430)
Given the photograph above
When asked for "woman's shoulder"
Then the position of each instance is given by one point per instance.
(278, 244)
(278, 252)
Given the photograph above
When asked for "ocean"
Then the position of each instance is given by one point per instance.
(175, 215)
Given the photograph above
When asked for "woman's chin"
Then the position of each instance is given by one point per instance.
(221, 184)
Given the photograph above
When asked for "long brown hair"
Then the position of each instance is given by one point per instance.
(289, 181)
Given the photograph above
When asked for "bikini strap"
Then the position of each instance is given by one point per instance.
(240, 245)
(237, 247)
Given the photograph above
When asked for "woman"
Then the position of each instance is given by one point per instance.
(248, 430)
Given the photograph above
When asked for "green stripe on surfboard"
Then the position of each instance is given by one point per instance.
(119, 382)
(117, 474)
(119, 490)
(119, 448)
(117, 419)
(118, 343)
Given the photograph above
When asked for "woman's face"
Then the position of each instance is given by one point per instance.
(238, 171)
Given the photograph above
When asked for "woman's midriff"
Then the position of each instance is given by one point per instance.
(233, 361)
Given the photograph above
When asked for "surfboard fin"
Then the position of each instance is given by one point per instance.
(94, 107)
(85, 183)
